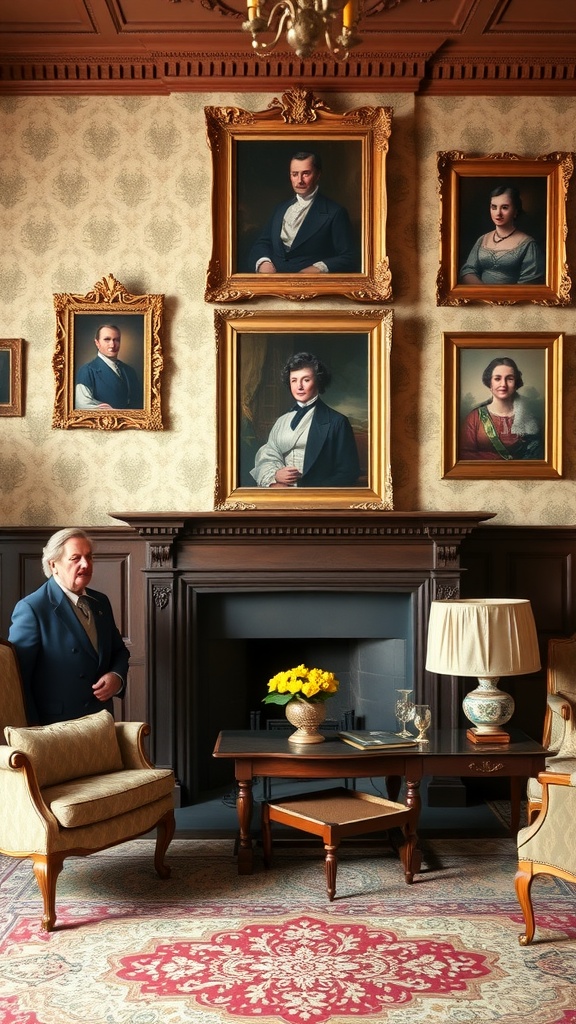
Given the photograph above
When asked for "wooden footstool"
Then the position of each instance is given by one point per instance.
(335, 814)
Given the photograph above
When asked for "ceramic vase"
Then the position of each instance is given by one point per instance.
(306, 717)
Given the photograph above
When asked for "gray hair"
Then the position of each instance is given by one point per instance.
(55, 546)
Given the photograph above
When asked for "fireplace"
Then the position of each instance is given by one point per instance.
(233, 597)
(244, 638)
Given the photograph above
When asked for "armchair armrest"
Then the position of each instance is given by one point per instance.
(26, 818)
(561, 705)
(558, 778)
(131, 736)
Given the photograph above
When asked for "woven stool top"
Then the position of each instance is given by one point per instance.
(339, 806)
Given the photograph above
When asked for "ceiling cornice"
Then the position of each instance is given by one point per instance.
(149, 47)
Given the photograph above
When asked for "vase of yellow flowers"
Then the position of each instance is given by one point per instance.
(303, 692)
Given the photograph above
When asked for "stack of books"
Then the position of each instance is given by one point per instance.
(366, 739)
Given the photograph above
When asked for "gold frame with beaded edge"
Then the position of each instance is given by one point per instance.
(139, 319)
(464, 185)
(251, 153)
(538, 356)
(252, 347)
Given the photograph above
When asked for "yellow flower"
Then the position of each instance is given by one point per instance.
(301, 683)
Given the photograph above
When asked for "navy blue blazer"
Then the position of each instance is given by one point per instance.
(57, 661)
(325, 234)
(331, 457)
(124, 392)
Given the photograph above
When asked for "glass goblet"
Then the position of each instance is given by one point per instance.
(404, 711)
(422, 720)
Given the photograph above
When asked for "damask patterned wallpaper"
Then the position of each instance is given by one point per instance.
(93, 186)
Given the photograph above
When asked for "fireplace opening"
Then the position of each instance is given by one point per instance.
(243, 639)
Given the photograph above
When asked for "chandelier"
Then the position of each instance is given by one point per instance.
(307, 23)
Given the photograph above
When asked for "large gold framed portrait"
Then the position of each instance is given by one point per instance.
(503, 229)
(298, 201)
(502, 405)
(335, 453)
(108, 359)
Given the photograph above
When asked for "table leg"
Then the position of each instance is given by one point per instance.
(331, 867)
(244, 806)
(410, 854)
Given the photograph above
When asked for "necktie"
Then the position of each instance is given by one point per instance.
(87, 620)
(299, 412)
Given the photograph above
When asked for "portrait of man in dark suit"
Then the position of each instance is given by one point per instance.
(102, 379)
(302, 217)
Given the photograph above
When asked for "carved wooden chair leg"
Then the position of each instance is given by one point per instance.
(47, 867)
(331, 867)
(523, 884)
(164, 834)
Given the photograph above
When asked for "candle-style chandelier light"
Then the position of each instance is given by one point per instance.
(307, 24)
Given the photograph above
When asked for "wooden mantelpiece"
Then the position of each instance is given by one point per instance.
(436, 536)
(191, 554)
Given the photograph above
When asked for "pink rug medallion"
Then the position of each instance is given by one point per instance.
(306, 969)
(208, 947)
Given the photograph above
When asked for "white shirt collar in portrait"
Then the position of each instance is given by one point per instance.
(294, 217)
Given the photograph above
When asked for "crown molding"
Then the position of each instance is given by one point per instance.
(210, 71)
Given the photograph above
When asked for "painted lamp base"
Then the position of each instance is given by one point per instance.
(488, 709)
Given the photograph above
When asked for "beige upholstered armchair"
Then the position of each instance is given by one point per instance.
(559, 735)
(73, 788)
(548, 845)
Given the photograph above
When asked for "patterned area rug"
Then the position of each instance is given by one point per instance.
(207, 946)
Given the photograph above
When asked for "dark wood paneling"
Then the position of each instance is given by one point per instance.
(533, 563)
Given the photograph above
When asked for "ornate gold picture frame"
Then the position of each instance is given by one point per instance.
(502, 406)
(490, 255)
(11, 377)
(348, 437)
(345, 227)
(124, 329)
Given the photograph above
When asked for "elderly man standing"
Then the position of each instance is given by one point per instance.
(72, 657)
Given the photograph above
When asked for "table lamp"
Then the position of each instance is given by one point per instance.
(487, 638)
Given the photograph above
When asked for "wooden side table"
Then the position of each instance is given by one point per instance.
(336, 814)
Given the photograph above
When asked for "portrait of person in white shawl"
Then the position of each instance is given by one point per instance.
(506, 425)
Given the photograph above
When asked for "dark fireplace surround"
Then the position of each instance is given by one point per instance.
(219, 582)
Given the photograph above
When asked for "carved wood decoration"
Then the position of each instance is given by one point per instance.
(157, 47)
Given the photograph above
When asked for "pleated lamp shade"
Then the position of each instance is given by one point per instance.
(486, 638)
